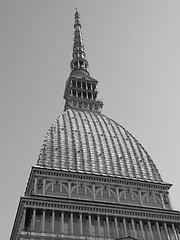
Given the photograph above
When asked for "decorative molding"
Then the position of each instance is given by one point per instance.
(104, 208)
(44, 172)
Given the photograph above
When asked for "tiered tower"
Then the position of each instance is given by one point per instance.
(93, 179)
(81, 89)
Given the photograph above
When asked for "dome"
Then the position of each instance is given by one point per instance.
(89, 142)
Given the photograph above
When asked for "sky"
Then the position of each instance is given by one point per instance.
(133, 50)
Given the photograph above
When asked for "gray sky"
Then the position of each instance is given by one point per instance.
(133, 51)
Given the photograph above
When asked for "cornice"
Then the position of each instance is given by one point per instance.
(116, 181)
(120, 210)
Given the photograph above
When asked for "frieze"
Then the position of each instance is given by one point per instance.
(61, 188)
(30, 188)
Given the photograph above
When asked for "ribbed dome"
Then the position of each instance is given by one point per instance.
(89, 142)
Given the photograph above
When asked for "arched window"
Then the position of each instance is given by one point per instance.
(129, 196)
(105, 192)
(49, 187)
(122, 195)
(81, 190)
(112, 194)
(56, 187)
(151, 199)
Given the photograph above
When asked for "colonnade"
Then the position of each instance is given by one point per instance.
(83, 94)
(83, 224)
(84, 85)
(79, 64)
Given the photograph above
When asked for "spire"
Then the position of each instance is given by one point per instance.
(78, 63)
(81, 89)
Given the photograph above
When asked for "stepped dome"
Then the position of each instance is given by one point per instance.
(83, 140)
(89, 142)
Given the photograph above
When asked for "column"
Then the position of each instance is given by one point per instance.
(159, 233)
(125, 227)
(117, 194)
(35, 185)
(133, 226)
(162, 200)
(107, 223)
(69, 189)
(43, 220)
(62, 222)
(150, 230)
(52, 221)
(23, 219)
(80, 223)
(94, 192)
(71, 225)
(90, 230)
(166, 230)
(116, 226)
(33, 219)
(44, 185)
(140, 198)
(142, 229)
(174, 230)
(99, 226)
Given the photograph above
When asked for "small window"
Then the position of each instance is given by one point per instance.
(79, 94)
(84, 85)
(75, 64)
(89, 95)
(84, 94)
(79, 84)
(74, 93)
(81, 64)
(89, 86)
(74, 83)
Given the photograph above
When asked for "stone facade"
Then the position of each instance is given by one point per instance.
(60, 205)
(93, 180)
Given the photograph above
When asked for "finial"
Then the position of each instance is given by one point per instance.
(77, 20)
(76, 10)
(78, 63)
